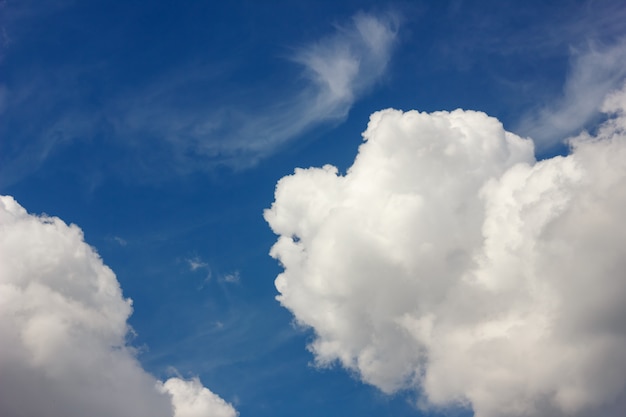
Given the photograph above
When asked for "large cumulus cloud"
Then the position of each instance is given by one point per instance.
(449, 261)
(63, 328)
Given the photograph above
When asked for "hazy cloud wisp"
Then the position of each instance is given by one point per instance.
(594, 72)
(171, 131)
(337, 69)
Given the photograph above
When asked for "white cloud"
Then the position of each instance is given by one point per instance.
(191, 399)
(120, 241)
(194, 116)
(63, 324)
(593, 74)
(342, 66)
(196, 263)
(232, 278)
(336, 70)
(448, 261)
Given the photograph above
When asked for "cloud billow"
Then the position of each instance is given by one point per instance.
(448, 261)
(63, 322)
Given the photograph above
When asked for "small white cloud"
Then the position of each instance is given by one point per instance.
(63, 322)
(232, 278)
(447, 260)
(196, 263)
(120, 241)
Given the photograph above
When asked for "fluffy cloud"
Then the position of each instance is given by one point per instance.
(63, 329)
(191, 399)
(449, 261)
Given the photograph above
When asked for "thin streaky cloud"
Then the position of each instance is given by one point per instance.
(120, 241)
(336, 71)
(154, 134)
(595, 71)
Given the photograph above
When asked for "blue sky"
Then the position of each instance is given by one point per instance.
(162, 128)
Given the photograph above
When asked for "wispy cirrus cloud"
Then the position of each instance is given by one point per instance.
(344, 65)
(335, 71)
(120, 241)
(183, 117)
(585, 47)
(595, 71)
